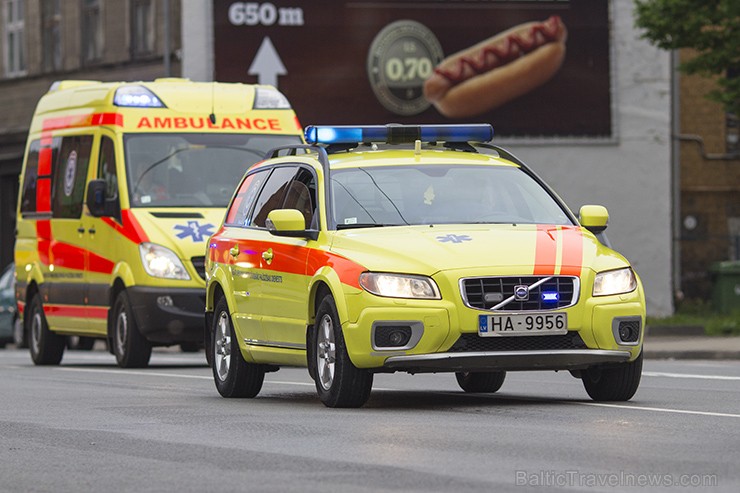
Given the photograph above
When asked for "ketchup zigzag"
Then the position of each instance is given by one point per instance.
(514, 46)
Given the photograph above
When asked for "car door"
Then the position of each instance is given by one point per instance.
(282, 273)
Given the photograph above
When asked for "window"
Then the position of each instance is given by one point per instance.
(70, 176)
(302, 195)
(107, 168)
(245, 198)
(142, 28)
(273, 194)
(15, 58)
(36, 194)
(92, 32)
(51, 35)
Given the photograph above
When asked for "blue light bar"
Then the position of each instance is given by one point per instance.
(398, 134)
(136, 97)
(550, 296)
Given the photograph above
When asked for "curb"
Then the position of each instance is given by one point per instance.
(691, 354)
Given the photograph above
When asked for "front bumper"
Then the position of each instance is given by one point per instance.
(167, 315)
(564, 359)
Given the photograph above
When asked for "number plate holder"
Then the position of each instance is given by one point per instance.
(520, 324)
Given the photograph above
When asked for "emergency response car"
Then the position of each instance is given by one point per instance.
(122, 184)
(417, 249)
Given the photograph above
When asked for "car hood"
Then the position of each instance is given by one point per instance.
(502, 249)
(186, 231)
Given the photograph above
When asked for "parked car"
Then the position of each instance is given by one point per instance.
(10, 325)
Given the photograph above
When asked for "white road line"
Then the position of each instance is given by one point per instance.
(688, 375)
(131, 372)
(658, 409)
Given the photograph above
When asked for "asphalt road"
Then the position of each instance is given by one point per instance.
(89, 426)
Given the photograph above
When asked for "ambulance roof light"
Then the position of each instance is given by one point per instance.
(267, 98)
(398, 134)
(136, 97)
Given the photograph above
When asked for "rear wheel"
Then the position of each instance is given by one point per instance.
(339, 382)
(131, 349)
(480, 382)
(617, 383)
(47, 347)
(233, 376)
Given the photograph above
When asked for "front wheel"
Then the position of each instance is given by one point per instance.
(480, 382)
(47, 347)
(617, 383)
(339, 383)
(233, 376)
(131, 349)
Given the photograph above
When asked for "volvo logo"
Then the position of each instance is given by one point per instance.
(521, 293)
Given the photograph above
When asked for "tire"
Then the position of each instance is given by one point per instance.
(339, 383)
(480, 382)
(613, 383)
(20, 337)
(47, 347)
(233, 376)
(190, 347)
(80, 343)
(131, 349)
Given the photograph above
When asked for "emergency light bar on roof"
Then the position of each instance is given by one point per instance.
(398, 134)
(136, 97)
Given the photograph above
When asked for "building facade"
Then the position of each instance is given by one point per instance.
(43, 41)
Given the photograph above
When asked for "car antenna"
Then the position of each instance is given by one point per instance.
(212, 116)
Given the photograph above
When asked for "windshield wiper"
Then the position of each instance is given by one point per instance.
(365, 225)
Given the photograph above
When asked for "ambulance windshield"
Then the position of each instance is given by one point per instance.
(192, 169)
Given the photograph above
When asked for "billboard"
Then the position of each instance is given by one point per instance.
(532, 68)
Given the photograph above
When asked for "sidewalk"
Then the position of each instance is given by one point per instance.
(689, 343)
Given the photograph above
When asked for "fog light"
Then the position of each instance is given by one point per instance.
(626, 330)
(164, 301)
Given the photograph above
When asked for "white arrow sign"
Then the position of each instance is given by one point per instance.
(267, 64)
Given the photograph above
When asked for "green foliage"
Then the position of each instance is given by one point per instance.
(701, 314)
(711, 27)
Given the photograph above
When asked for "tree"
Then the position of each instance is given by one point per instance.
(711, 27)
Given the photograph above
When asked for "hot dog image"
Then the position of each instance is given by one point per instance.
(498, 69)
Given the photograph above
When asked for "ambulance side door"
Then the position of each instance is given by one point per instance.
(103, 242)
(66, 290)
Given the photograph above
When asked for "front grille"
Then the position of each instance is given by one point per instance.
(483, 293)
(200, 265)
(473, 342)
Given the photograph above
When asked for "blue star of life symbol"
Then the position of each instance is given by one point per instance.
(454, 238)
(194, 230)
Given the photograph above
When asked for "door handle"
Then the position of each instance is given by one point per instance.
(234, 251)
(267, 255)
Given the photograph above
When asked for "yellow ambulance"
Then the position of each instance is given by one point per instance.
(122, 185)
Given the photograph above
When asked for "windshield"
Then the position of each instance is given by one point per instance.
(190, 169)
(445, 194)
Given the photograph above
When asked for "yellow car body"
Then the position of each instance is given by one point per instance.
(273, 272)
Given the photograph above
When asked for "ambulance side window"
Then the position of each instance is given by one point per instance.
(38, 167)
(302, 196)
(245, 197)
(70, 176)
(272, 195)
(107, 167)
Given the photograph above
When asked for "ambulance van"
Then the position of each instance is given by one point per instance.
(122, 185)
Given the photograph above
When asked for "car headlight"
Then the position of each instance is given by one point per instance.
(399, 286)
(614, 282)
(162, 262)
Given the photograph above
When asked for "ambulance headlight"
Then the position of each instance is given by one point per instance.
(399, 286)
(162, 262)
(611, 282)
(269, 99)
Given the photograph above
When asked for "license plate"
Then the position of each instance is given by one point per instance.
(522, 324)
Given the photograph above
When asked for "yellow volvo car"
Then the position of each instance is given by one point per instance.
(419, 249)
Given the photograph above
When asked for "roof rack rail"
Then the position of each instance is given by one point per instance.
(320, 151)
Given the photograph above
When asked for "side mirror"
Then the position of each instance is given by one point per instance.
(96, 202)
(289, 222)
(594, 218)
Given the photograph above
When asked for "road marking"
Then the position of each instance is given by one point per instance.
(687, 375)
(657, 409)
(132, 372)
